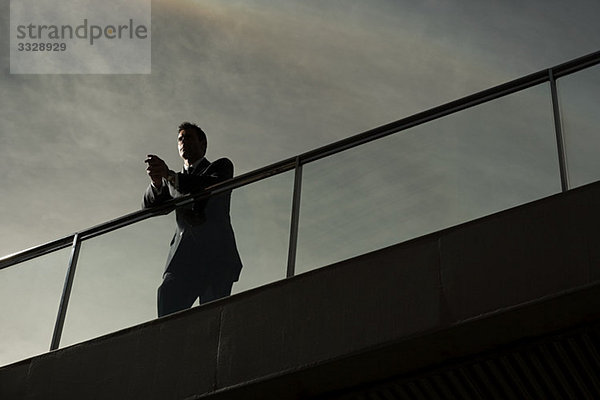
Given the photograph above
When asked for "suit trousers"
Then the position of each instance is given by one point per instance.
(179, 292)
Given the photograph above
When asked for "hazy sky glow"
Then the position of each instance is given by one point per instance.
(269, 80)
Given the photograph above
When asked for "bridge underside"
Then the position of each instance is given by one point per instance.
(507, 306)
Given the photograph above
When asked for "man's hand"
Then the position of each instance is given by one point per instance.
(157, 170)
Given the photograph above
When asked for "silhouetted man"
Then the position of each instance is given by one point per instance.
(203, 260)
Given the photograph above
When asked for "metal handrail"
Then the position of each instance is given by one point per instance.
(316, 154)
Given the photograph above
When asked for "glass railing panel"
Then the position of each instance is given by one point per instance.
(30, 295)
(579, 96)
(116, 279)
(118, 273)
(260, 214)
(463, 166)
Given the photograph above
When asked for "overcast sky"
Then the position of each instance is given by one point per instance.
(269, 80)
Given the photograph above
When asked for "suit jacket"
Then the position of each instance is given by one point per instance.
(204, 243)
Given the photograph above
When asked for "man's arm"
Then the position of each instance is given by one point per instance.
(218, 171)
(167, 184)
(154, 197)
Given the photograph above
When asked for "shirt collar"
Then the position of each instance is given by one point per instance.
(194, 165)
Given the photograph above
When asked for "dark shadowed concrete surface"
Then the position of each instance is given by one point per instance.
(521, 273)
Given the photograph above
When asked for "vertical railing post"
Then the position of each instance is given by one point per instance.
(560, 140)
(66, 294)
(291, 262)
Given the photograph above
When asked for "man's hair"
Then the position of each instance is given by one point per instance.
(188, 126)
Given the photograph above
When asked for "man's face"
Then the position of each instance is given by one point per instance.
(190, 147)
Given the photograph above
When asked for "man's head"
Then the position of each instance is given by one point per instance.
(191, 142)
